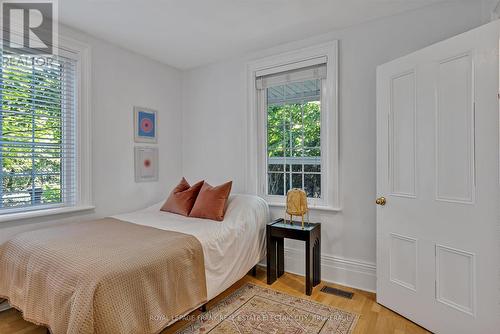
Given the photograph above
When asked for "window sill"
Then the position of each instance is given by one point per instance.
(313, 208)
(42, 213)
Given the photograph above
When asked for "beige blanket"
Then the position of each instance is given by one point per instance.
(104, 276)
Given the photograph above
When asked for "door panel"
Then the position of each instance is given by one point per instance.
(403, 261)
(437, 165)
(455, 274)
(454, 118)
(402, 135)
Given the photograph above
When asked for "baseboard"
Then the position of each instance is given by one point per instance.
(352, 273)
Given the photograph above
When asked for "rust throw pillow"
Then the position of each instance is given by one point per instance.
(211, 201)
(182, 198)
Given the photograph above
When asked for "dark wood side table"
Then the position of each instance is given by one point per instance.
(279, 229)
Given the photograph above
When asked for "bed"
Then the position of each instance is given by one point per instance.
(230, 248)
(218, 253)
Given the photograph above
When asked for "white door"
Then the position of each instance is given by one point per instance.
(438, 254)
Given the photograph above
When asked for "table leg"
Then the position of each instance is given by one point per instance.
(309, 267)
(317, 262)
(281, 256)
(271, 258)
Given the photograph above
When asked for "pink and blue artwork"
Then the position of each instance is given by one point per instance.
(145, 124)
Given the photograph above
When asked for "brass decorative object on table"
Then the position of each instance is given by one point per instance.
(296, 204)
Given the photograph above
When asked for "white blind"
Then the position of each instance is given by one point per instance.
(37, 132)
(307, 73)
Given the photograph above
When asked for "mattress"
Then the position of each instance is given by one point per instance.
(231, 247)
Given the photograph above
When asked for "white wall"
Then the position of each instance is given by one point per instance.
(120, 80)
(214, 113)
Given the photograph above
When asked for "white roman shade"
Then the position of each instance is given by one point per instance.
(290, 76)
(38, 132)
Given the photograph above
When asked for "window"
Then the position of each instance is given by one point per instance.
(42, 134)
(294, 136)
(37, 120)
(296, 126)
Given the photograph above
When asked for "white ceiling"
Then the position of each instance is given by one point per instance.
(189, 33)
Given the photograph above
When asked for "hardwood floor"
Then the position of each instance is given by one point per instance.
(374, 317)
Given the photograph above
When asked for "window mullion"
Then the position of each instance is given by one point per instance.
(63, 167)
(303, 144)
(33, 124)
(1, 131)
(284, 152)
(290, 127)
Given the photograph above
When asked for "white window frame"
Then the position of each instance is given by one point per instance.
(79, 51)
(256, 136)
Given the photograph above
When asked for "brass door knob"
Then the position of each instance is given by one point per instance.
(380, 201)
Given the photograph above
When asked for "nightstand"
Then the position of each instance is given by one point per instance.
(280, 229)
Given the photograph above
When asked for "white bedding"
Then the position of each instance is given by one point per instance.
(231, 247)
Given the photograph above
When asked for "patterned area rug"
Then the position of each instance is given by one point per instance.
(254, 309)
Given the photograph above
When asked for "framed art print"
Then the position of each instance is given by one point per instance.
(145, 125)
(146, 164)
